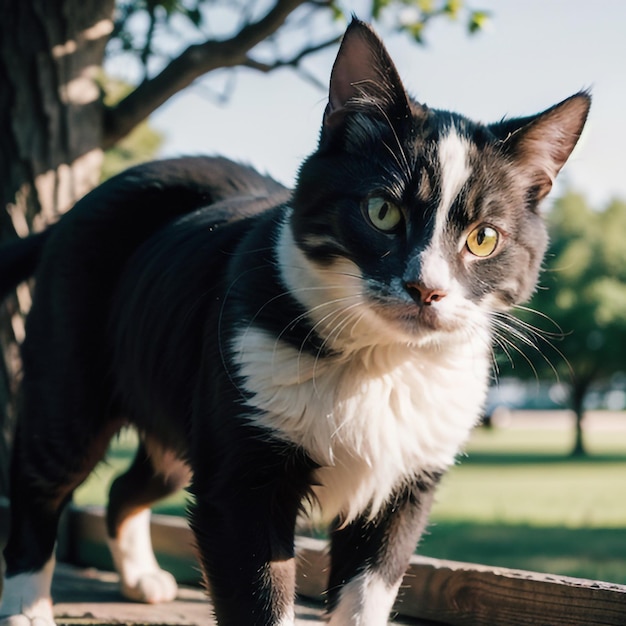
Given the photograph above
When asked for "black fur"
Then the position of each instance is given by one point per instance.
(385, 542)
(19, 260)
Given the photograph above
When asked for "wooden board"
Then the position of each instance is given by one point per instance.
(441, 592)
(463, 594)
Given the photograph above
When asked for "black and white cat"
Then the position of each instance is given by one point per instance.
(329, 346)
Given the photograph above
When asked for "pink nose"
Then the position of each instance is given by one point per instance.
(425, 295)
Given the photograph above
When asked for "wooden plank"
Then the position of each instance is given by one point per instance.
(444, 592)
(462, 594)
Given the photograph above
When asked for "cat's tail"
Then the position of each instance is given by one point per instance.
(19, 260)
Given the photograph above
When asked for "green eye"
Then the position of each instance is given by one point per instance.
(482, 241)
(383, 215)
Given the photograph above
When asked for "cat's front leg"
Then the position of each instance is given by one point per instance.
(370, 556)
(244, 519)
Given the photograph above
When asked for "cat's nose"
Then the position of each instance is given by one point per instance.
(424, 295)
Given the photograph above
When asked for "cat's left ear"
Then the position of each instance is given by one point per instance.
(540, 145)
(364, 78)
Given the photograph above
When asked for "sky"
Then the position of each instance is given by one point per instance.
(534, 54)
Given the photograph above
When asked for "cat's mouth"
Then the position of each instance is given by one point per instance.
(416, 318)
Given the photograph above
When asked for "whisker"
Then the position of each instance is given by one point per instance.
(221, 334)
(529, 336)
(404, 166)
(521, 328)
(287, 293)
(504, 341)
(561, 333)
(335, 332)
(306, 314)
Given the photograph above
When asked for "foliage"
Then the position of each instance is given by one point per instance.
(579, 309)
(583, 289)
(152, 30)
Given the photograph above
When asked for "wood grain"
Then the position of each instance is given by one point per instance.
(462, 594)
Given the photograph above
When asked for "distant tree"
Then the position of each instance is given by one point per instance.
(55, 118)
(583, 292)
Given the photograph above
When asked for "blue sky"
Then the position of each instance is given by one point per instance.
(534, 54)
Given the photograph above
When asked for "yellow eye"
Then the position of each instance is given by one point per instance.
(482, 241)
(384, 215)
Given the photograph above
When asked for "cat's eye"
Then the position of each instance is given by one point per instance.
(482, 241)
(383, 214)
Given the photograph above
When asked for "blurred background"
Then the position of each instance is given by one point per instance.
(541, 483)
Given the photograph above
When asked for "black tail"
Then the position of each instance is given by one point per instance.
(19, 259)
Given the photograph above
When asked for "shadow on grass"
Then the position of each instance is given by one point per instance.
(538, 458)
(595, 553)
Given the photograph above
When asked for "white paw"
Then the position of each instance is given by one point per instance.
(141, 578)
(151, 587)
(25, 620)
(26, 598)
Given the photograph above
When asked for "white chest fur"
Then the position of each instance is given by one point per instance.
(371, 421)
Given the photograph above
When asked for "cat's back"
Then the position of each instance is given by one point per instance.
(170, 296)
(105, 227)
(87, 251)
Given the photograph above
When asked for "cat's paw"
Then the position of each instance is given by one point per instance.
(26, 598)
(25, 620)
(141, 578)
(151, 587)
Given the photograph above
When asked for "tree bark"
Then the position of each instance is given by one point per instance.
(51, 119)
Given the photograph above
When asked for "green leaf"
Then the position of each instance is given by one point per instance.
(338, 12)
(452, 8)
(378, 6)
(426, 6)
(195, 16)
(416, 30)
(584, 289)
(478, 21)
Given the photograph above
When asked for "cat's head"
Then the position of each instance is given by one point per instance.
(416, 222)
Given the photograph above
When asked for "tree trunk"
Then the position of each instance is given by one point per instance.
(578, 393)
(51, 120)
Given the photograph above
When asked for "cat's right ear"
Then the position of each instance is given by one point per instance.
(364, 78)
(540, 145)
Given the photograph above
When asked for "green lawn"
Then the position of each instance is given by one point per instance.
(515, 500)
(95, 489)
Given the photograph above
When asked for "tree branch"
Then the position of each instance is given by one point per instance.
(294, 61)
(195, 61)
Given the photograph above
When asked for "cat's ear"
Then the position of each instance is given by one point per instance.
(540, 145)
(364, 78)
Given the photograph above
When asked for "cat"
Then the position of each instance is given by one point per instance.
(322, 351)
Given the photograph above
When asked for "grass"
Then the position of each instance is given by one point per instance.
(528, 477)
(94, 491)
(517, 499)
